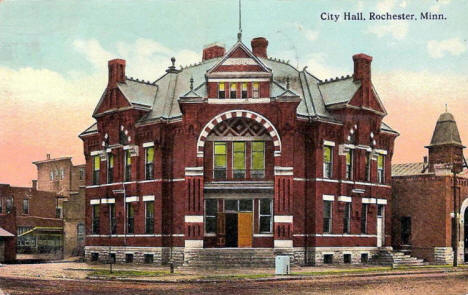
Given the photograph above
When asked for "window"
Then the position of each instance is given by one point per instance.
(94, 257)
(149, 163)
(1, 205)
(364, 258)
(128, 258)
(368, 163)
(220, 162)
(258, 159)
(128, 166)
(233, 90)
(211, 209)
(149, 258)
(244, 90)
(82, 174)
(113, 223)
(265, 215)
(245, 205)
(80, 233)
(231, 205)
(380, 168)
(347, 258)
(96, 167)
(255, 90)
(349, 164)
(149, 217)
(112, 258)
(51, 175)
(221, 90)
(62, 173)
(328, 258)
(364, 209)
(25, 206)
(9, 205)
(95, 219)
(110, 168)
(406, 230)
(238, 160)
(380, 210)
(327, 216)
(327, 161)
(130, 218)
(58, 212)
(347, 218)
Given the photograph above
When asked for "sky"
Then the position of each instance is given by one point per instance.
(53, 60)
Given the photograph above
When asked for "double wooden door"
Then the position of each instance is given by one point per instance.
(235, 229)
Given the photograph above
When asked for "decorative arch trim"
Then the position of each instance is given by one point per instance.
(239, 114)
(464, 206)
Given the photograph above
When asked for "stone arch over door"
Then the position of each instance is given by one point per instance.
(239, 114)
(464, 228)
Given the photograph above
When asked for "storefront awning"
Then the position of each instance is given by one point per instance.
(4, 233)
(42, 229)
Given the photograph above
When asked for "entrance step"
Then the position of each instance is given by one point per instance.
(396, 258)
(229, 257)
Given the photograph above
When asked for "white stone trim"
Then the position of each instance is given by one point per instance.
(262, 235)
(193, 243)
(382, 201)
(95, 153)
(108, 201)
(148, 198)
(336, 235)
(127, 147)
(328, 143)
(239, 61)
(194, 218)
(328, 197)
(193, 171)
(283, 243)
(133, 235)
(369, 201)
(380, 151)
(345, 199)
(283, 171)
(238, 100)
(283, 218)
(95, 202)
(148, 144)
(238, 79)
(131, 199)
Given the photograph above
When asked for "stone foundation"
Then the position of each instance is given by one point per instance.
(316, 255)
(161, 255)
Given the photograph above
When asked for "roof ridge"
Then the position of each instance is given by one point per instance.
(140, 81)
(335, 80)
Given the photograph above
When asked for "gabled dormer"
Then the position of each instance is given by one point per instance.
(240, 74)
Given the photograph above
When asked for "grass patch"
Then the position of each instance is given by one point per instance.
(342, 271)
(238, 276)
(127, 273)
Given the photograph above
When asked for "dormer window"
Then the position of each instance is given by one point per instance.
(244, 90)
(233, 90)
(221, 90)
(255, 90)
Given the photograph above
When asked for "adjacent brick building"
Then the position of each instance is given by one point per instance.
(60, 176)
(238, 151)
(423, 206)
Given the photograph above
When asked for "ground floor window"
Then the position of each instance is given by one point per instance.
(347, 258)
(327, 216)
(265, 215)
(211, 209)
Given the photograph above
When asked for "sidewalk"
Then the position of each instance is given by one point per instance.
(141, 273)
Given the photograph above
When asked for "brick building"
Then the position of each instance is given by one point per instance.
(29, 214)
(242, 154)
(423, 198)
(60, 176)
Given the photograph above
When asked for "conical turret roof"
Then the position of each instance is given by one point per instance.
(446, 131)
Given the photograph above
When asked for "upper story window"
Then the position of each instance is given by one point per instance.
(51, 175)
(255, 90)
(96, 169)
(62, 173)
(1, 205)
(9, 205)
(222, 90)
(327, 161)
(25, 206)
(220, 161)
(128, 166)
(149, 163)
(110, 168)
(368, 164)
(82, 174)
(244, 90)
(258, 159)
(349, 164)
(380, 168)
(233, 90)
(238, 159)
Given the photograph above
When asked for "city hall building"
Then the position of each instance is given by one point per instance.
(238, 158)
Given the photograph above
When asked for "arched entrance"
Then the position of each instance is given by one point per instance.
(464, 215)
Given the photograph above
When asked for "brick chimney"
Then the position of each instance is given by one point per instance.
(259, 47)
(362, 72)
(116, 72)
(213, 51)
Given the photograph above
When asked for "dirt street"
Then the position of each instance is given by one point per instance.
(426, 284)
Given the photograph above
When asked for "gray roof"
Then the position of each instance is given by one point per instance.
(446, 131)
(161, 97)
(407, 169)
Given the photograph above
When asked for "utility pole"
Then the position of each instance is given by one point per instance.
(455, 219)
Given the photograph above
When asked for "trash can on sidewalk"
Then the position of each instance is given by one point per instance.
(282, 265)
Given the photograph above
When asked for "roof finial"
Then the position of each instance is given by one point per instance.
(191, 83)
(446, 108)
(239, 34)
